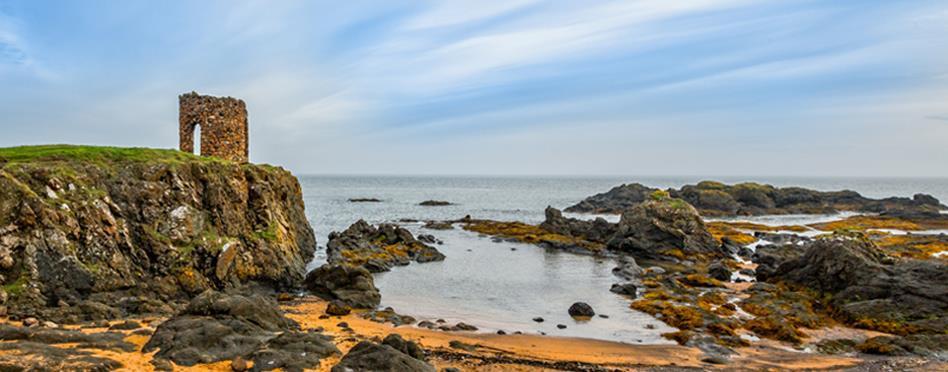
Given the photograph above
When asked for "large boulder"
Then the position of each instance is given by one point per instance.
(353, 286)
(663, 227)
(218, 326)
(871, 289)
(598, 230)
(379, 248)
(393, 355)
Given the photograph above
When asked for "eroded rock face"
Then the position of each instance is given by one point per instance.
(351, 285)
(871, 289)
(663, 228)
(616, 200)
(379, 248)
(217, 326)
(137, 232)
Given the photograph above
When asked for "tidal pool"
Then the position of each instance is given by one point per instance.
(505, 285)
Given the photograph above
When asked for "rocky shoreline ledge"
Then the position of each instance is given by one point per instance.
(147, 259)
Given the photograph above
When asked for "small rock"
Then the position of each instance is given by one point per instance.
(719, 271)
(715, 359)
(561, 326)
(625, 289)
(581, 309)
(48, 324)
(538, 320)
(324, 316)
(342, 325)
(239, 364)
(125, 326)
(501, 332)
(338, 308)
(450, 369)
(30, 322)
(465, 327)
(604, 316)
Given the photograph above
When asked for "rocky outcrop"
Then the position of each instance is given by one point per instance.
(717, 199)
(353, 286)
(663, 227)
(871, 289)
(598, 230)
(379, 248)
(217, 326)
(89, 232)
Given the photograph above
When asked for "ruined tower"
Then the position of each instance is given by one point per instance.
(223, 124)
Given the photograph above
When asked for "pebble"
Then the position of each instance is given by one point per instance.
(538, 320)
(30, 322)
(561, 326)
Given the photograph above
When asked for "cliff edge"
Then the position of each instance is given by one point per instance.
(92, 233)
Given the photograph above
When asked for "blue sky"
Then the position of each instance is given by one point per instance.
(523, 87)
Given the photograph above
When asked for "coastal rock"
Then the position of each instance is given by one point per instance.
(581, 310)
(90, 225)
(364, 200)
(717, 199)
(870, 289)
(625, 289)
(369, 356)
(379, 248)
(663, 227)
(769, 257)
(616, 200)
(353, 286)
(338, 308)
(434, 203)
(719, 271)
(218, 326)
(598, 230)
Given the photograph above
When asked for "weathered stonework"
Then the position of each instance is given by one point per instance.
(223, 122)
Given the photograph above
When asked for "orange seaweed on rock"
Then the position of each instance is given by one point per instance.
(530, 234)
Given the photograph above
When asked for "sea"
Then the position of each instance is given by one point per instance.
(504, 286)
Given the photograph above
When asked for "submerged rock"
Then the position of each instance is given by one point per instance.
(434, 203)
(353, 286)
(379, 248)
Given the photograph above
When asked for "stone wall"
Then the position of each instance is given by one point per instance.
(223, 122)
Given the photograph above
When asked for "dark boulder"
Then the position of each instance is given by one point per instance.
(598, 230)
(581, 309)
(719, 271)
(338, 308)
(663, 227)
(871, 289)
(434, 203)
(769, 257)
(218, 326)
(625, 289)
(353, 286)
(369, 356)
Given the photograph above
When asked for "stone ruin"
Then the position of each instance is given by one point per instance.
(223, 122)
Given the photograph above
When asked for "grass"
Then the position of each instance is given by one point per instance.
(95, 154)
(17, 287)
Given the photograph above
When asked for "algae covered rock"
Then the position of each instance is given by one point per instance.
(96, 225)
(379, 248)
(663, 227)
(870, 289)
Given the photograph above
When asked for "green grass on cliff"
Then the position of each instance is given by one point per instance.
(96, 154)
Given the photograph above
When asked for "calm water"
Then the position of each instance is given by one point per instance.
(493, 287)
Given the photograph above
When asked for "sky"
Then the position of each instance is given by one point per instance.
(512, 87)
